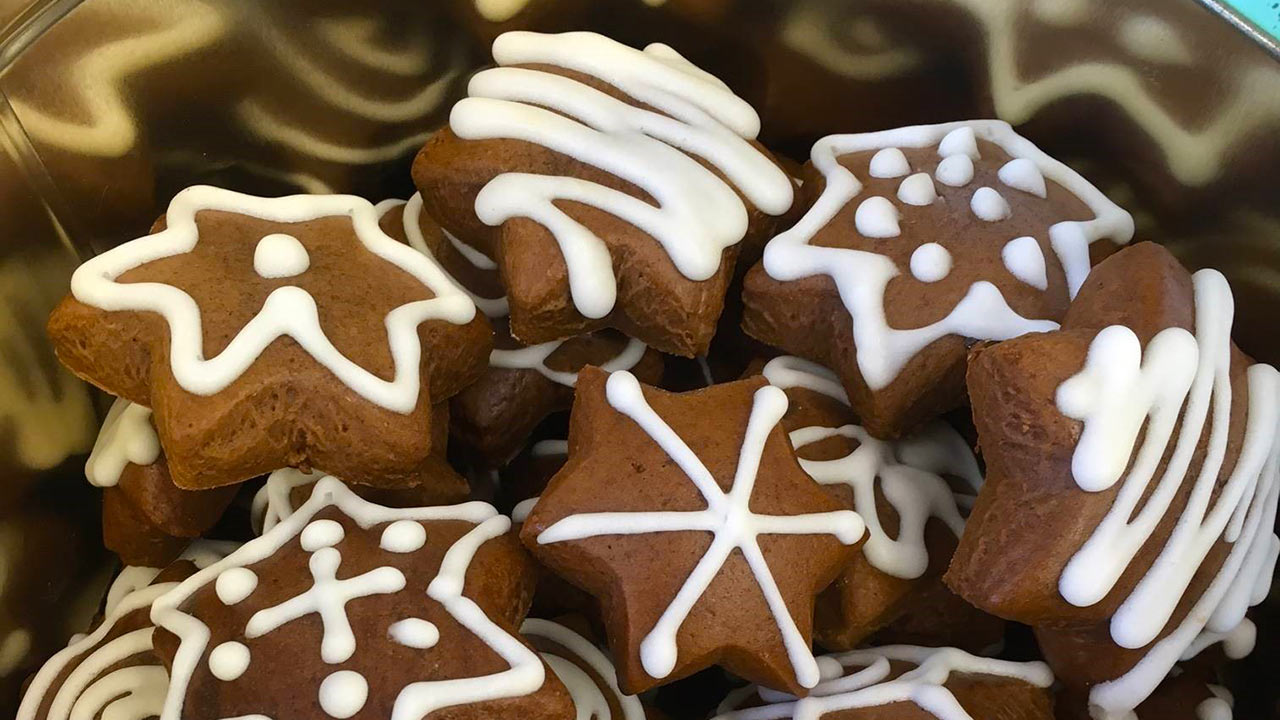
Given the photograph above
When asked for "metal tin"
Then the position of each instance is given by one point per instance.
(107, 107)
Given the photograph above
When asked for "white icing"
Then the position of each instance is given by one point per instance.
(288, 311)
(343, 694)
(549, 448)
(1237, 643)
(1024, 259)
(280, 256)
(236, 584)
(930, 262)
(694, 214)
(91, 690)
(229, 660)
(989, 205)
(1218, 707)
(1154, 39)
(403, 536)
(321, 534)
(960, 141)
(1022, 174)
(587, 695)
(416, 700)
(868, 684)
(521, 511)
(415, 633)
(909, 473)
(491, 307)
(728, 518)
(1180, 383)
(861, 276)
(876, 217)
(328, 597)
(468, 253)
(274, 501)
(955, 170)
(918, 190)
(535, 357)
(127, 436)
(889, 163)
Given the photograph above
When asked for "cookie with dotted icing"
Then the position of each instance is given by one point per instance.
(274, 332)
(1132, 477)
(610, 186)
(912, 494)
(146, 518)
(906, 682)
(917, 242)
(704, 541)
(493, 417)
(113, 672)
(347, 609)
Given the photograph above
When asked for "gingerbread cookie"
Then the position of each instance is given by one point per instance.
(586, 672)
(274, 332)
(704, 541)
(917, 242)
(1132, 477)
(347, 609)
(494, 416)
(611, 187)
(905, 682)
(900, 489)
(146, 519)
(113, 672)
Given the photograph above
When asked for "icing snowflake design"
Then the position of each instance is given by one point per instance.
(728, 518)
(289, 311)
(532, 357)
(908, 472)
(864, 679)
(344, 692)
(862, 277)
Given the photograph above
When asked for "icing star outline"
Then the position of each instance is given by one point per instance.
(287, 311)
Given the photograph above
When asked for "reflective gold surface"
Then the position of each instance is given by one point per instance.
(107, 107)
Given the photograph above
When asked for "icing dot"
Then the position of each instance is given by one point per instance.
(876, 217)
(917, 190)
(321, 534)
(1025, 260)
(415, 633)
(280, 256)
(229, 660)
(403, 536)
(1022, 174)
(960, 141)
(235, 584)
(989, 205)
(889, 163)
(956, 171)
(343, 694)
(930, 262)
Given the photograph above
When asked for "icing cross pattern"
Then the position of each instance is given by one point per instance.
(728, 517)
(344, 692)
(909, 472)
(867, 684)
(695, 215)
(861, 277)
(533, 357)
(1170, 395)
(289, 310)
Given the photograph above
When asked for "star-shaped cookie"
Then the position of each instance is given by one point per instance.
(493, 417)
(910, 493)
(274, 332)
(917, 242)
(1133, 470)
(610, 186)
(347, 609)
(688, 516)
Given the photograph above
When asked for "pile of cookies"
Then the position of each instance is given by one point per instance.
(939, 396)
